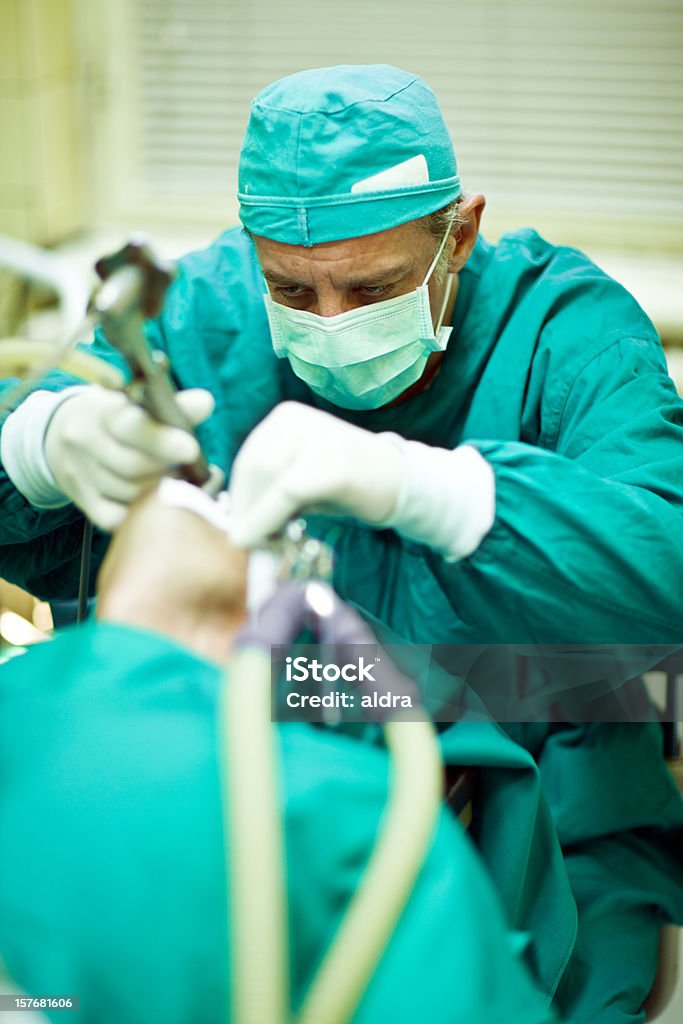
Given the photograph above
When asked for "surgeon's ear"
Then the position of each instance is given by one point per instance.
(469, 213)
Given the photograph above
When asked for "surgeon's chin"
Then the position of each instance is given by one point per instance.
(431, 371)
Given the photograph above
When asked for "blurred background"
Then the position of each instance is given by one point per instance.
(127, 114)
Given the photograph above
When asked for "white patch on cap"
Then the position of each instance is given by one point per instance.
(408, 172)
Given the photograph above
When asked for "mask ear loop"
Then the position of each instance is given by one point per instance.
(439, 250)
(449, 285)
(447, 295)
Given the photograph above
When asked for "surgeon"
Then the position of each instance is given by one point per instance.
(490, 430)
(503, 412)
(113, 882)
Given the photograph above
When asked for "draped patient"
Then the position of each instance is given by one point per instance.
(112, 867)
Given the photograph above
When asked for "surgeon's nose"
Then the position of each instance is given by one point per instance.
(332, 303)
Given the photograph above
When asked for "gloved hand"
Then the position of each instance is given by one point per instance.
(301, 459)
(104, 451)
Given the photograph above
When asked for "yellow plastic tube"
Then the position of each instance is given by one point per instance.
(22, 358)
(254, 851)
(410, 817)
(254, 848)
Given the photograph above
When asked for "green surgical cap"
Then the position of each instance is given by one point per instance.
(345, 151)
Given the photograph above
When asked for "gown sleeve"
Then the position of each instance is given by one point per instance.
(587, 543)
(40, 549)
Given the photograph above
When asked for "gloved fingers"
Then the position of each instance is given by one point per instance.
(276, 475)
(167, 446)
(123, 489)
(262, 457)
(196, 403)
(127, 462)
(269, 487)
(106, 514)
(298, 458)
(255, 499)
(254, 522)
(103, 451)
(311, 478)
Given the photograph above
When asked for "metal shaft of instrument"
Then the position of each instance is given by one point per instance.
(151, 386)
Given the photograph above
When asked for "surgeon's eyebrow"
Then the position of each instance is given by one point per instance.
(380, 277)
(371, 280)
(275, 278)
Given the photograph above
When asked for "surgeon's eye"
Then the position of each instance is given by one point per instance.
(375, 290)
(290, 291)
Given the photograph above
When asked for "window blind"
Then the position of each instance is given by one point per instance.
(567, 116)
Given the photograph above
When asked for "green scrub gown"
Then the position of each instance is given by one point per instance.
(112, 876)
(553, 371)
(557, 376)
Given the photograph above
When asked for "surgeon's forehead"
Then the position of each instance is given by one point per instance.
(384, 253)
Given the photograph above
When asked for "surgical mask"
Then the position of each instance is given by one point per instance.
(366, 357)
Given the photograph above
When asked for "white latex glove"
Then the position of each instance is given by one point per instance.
(301, 459)
(104, 451)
